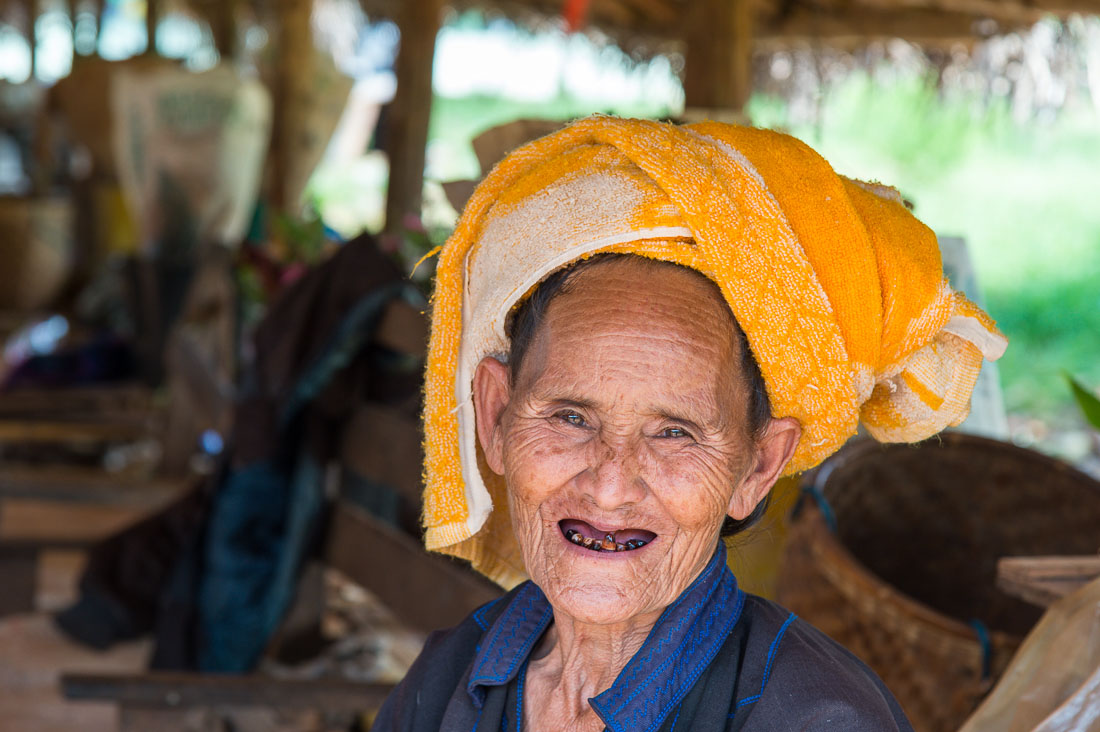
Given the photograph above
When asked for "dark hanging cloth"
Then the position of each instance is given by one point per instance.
(214, 597)
(717, 660)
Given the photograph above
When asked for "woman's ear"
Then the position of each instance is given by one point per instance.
(492, 392)
(774, 451)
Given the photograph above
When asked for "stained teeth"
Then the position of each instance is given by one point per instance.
(606, 544)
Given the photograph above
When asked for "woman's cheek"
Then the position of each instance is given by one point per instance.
(694, 490)
(539, 461)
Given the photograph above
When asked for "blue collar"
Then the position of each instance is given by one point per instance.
(681, 645)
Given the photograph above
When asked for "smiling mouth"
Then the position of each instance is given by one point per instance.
(589, 537)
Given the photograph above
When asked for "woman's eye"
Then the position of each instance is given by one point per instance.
(674, 432)
(572, 418)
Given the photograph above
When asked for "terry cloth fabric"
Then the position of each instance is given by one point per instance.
(838, 287)
(717, 660)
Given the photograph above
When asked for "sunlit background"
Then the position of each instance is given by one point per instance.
(996, 142)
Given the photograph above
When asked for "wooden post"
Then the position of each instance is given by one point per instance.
(407, 126)
(152, 17)
(718, 70)
(100, 11)
(223, 27)
(31, 7)
(294, 72)
(71, 7)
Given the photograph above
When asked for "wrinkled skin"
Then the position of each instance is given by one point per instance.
(628, 412)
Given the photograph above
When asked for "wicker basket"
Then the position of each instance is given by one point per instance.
(897, 556)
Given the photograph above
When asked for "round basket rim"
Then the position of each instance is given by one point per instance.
(829, 543)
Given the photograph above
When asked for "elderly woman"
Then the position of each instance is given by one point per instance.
(637, 329)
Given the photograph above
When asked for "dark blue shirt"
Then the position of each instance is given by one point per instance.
(717, 659)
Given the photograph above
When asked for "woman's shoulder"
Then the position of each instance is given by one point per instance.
(792, 668)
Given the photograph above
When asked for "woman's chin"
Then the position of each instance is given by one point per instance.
(596, 605)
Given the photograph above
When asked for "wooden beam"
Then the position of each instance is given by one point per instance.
(113, 400)
(39, 431)
(181, 690)
(410, 112)
(1009, 12)
(87, 486)
(860, 25)
(995, 9)
(719, 37)
(425, 591)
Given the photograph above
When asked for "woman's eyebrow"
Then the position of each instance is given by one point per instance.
(563, 401)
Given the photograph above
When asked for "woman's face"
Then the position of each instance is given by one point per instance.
(626, 423)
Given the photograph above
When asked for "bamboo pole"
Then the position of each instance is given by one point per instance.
(411, 109)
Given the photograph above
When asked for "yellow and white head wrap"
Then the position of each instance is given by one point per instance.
(838, 287)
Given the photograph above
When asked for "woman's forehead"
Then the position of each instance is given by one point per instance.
(661, 327)
(649, 294)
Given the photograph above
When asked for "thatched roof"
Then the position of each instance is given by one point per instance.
(841, 22)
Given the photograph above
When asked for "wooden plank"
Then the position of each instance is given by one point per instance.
(115, 400)
(1042, 580)
(181, 690)
(424, 591)
(382, 445)
(18, 577)
(87, 485)
(63, 431)
(70, 523)
(209, 719)
(404, 329)
(410, 111)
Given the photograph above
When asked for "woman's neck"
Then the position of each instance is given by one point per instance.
(576, 661)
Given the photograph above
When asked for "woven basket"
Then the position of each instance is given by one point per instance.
(911, 562)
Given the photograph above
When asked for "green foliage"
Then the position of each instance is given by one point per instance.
(303, 239)
(1086, 399)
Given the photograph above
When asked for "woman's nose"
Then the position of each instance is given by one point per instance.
(615, 477)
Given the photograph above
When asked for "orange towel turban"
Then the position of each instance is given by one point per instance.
(838, 288)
